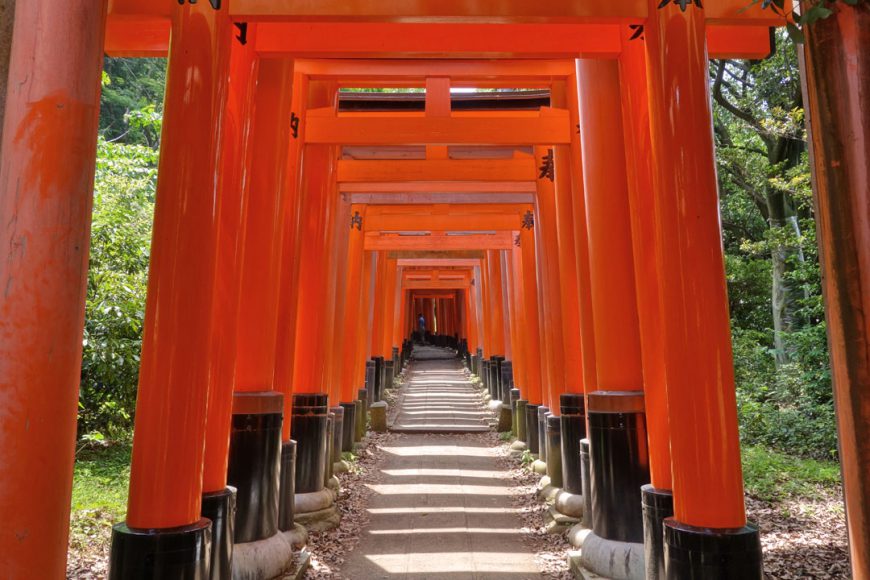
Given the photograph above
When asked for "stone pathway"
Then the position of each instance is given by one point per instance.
(442, 506)
(438, 398)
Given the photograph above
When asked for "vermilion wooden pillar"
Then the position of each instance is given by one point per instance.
(486, 308)
(310, 399)
(365, 317)
(48, 144)
(837, 66)
(218, 502)
(705, 448)
(168, 441)
(256, 458)
(289, 299)
(312, 260)
(642, 199)
(505, 302)
(515, 301)
(261, 273)
(496, 301)
(392, 281)
(581, 243)
(572, 356)
(336, 287)
(549, 278)
(619, 454)
(232, 170)
(353, 310)
(530, 291)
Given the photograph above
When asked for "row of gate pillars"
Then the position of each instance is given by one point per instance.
(595, 459)
(277, 491)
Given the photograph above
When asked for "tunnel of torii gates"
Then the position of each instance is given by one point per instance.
(564, 239)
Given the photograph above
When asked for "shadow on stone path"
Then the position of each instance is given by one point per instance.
(442, 506)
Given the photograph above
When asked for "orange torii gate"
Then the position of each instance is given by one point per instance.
(233, 71)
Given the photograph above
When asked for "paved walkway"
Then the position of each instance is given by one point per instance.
(442, 509)
(437, 397)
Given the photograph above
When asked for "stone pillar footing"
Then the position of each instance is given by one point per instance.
(612, 559)
(504, 418)
(378, 413)
(556, 522)
(316, 511)
(269, 558)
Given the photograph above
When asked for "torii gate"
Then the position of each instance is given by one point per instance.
(215, 55)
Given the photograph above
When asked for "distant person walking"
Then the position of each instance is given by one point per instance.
(421, 325)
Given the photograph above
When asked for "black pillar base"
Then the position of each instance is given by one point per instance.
(484, 375)
(532, 428)
(171, 554)
(337, 432)
(389, 374)
(507, 379)
(657, 505)
(514, 397)
(573, 420)
(554, 450)
(287, 506)
(380, 377)
(220, 508)
(712, 554)
(371, 379)
(541, 424)
(362, 415)
(620, 463)
(348, 428)
(522, 431)
(586, 476)
(327, 473)
(308, 429)
(255, 463)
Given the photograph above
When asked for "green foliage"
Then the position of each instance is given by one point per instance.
(120, 240)
(784, 390)
(810, 11)
(132, 100)
(773, 476)
(505, 436)
(101, 478)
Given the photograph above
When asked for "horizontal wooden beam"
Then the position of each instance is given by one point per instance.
(494, 11)
(438, 262)
(435, 284)
(146, 34)
(460, 72)
(490, 130)
(416, 40)
(475, 256)
(439, 198)
(458, 187)
(137, 36)
(437, 170)
(439, 242)
(451, 223)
